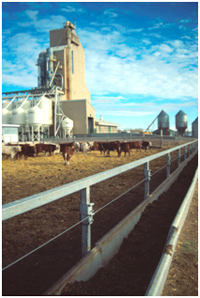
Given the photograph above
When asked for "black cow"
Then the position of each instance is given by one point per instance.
(146, 145)
(110, 146)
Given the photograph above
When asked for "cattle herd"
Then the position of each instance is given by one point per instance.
(67, 149)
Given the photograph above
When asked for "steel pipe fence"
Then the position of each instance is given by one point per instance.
(83, 185)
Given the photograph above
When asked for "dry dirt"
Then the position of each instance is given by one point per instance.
(36, 273)
(182, 279)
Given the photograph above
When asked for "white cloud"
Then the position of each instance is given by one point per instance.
(162, 70)
(136, 30)
(110, 13)
(69, 8)
(185, 21)
(20, 53)
(32, 14)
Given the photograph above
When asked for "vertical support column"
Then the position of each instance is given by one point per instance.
(147, 176)
(85, 211)
(32, 134)
(179, 157)
(161, 138)
(190, 149)
(193, 148)
(168, 165)
(185, 153)
(55, 112)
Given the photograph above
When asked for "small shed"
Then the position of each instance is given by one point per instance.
(102, 126)
(10, 133)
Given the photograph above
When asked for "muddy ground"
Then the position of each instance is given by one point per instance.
(36, 273)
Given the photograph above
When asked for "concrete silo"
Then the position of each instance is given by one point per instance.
(163, 122)
(195, 128)
(181, 122)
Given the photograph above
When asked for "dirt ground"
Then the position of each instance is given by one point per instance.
(130, 271)
(35, 274)
(182, 279)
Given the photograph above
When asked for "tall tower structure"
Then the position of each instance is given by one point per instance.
(63, 64)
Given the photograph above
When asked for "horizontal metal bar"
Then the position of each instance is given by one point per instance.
(29, 203)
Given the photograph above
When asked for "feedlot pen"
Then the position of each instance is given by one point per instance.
(27, 231)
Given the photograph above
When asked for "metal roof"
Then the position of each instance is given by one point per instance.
(105, 123)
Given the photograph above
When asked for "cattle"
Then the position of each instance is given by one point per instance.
(11, 151)
(40, 147)
(77, 146)
(91, 145)
(67, 152)
(146, 145)
(57, 151)
(27, 150)
(97, 146)
(84, 147)
(125, 147)
(110, 146)
(135, 145)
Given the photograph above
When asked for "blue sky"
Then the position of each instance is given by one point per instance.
(140, 57)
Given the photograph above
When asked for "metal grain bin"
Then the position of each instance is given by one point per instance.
(181, 122)
(6, 116)
(195, 128)
(163, 122)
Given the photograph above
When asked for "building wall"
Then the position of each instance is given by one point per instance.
(10, 134)
(57, 37)
(80, 111)
(105, 129)
(72, 59)
(78, 85)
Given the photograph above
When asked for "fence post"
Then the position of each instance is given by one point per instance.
(147, 176)
(168, 164)
(193, 148)
(161, 138)
(185, 153)
(190, 152)
(179, 157)
(85, 211)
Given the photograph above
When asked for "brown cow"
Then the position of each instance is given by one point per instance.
(67, 152)
(125, 147)
(40, 147)
(97, 146)
(135, 145)
(27, 150)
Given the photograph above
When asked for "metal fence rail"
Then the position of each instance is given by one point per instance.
(83, 185)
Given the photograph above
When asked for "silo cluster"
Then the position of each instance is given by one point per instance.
(35, 116)
(181, 120)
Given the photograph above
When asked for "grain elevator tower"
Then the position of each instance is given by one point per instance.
(63, 64)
